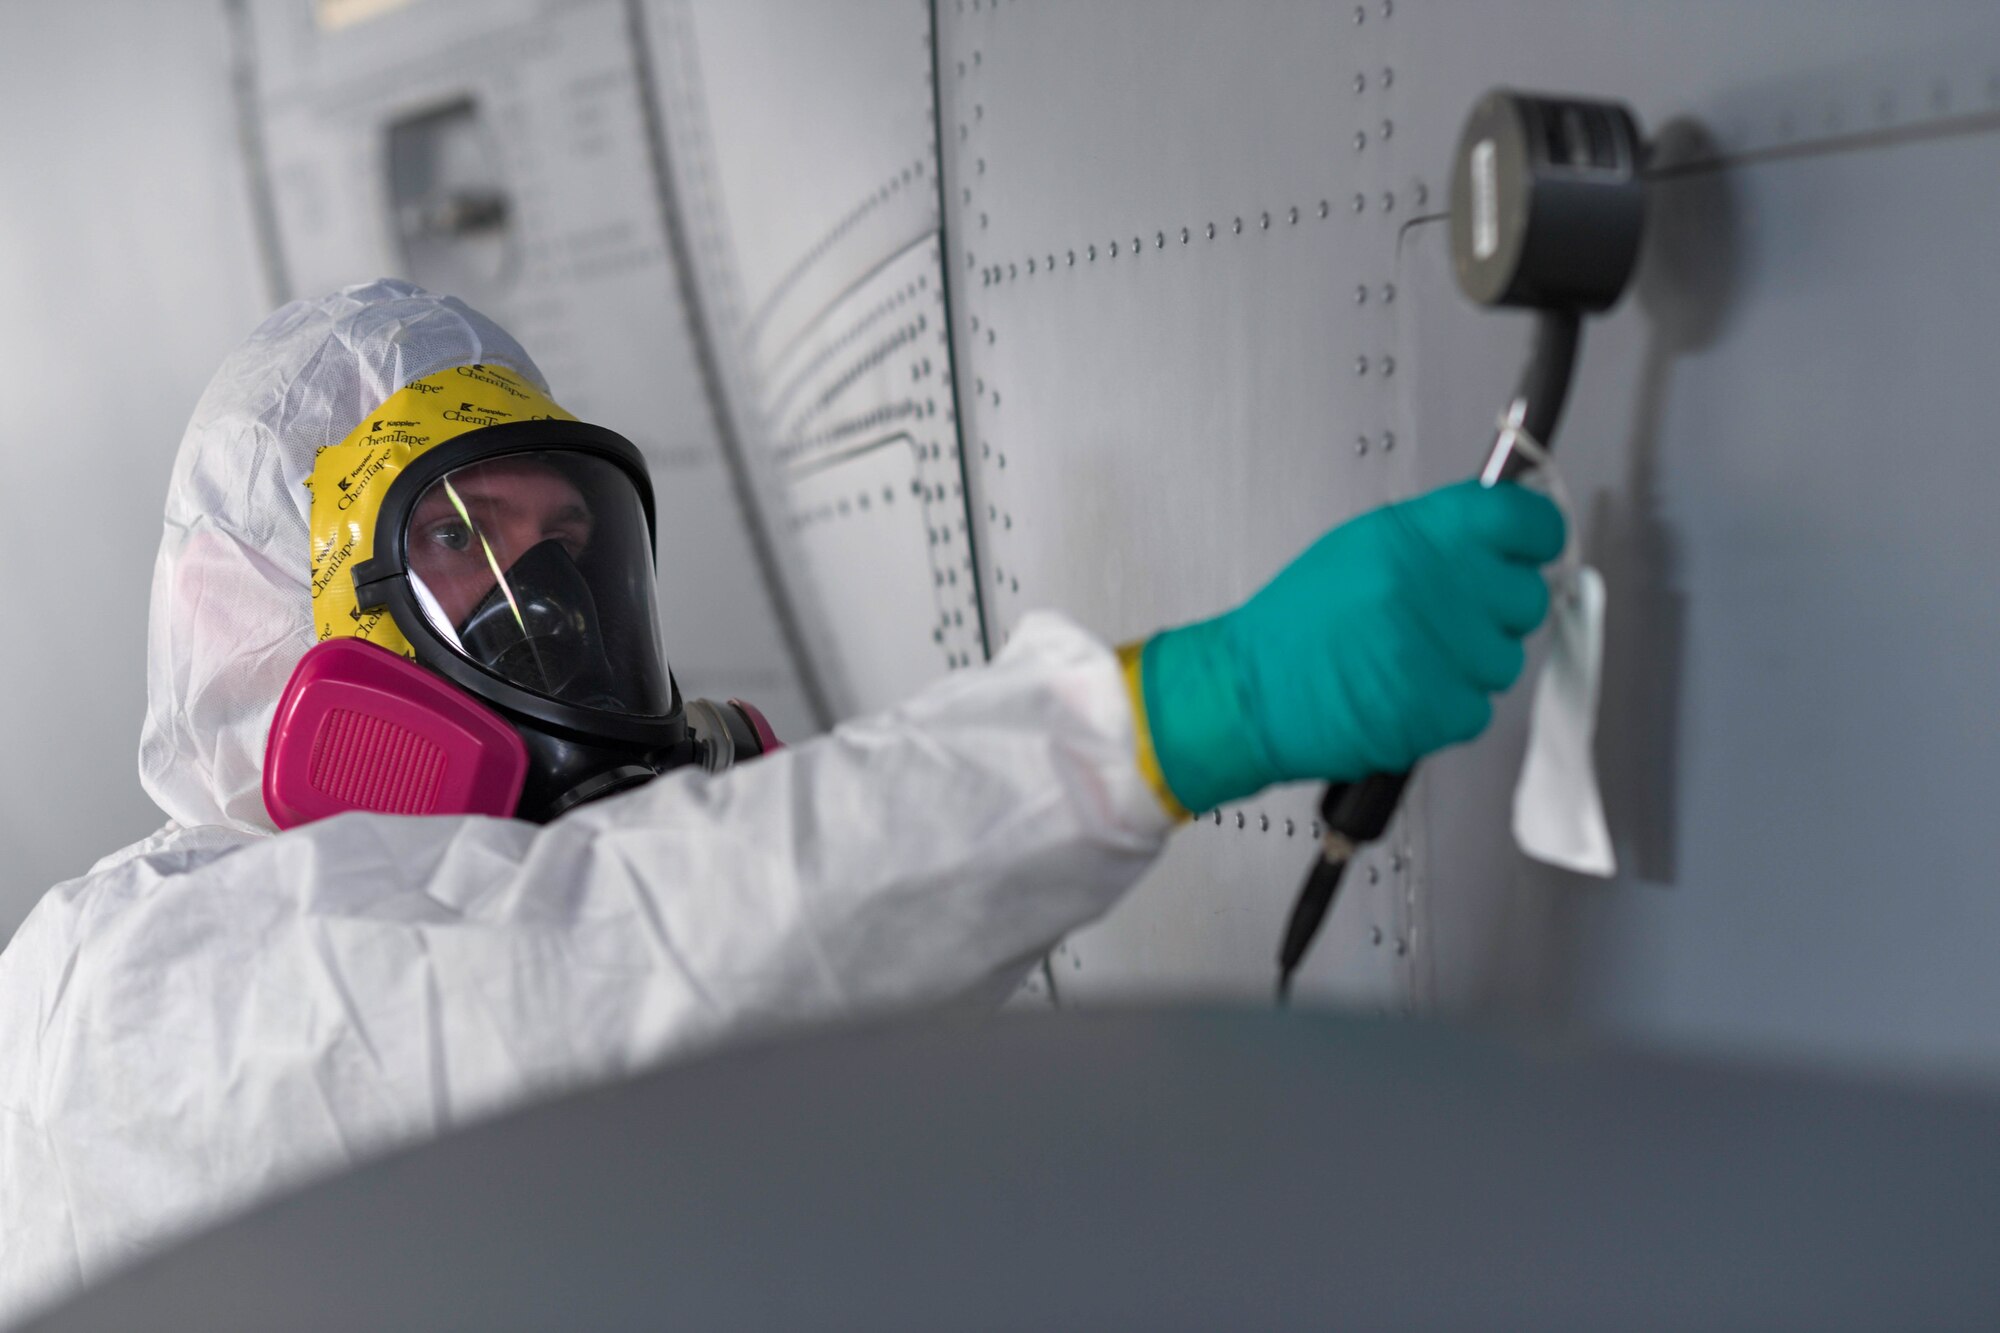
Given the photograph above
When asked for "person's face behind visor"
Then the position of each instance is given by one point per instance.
(473, 526)
(539, 569)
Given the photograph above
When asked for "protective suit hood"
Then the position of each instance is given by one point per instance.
(231, 605)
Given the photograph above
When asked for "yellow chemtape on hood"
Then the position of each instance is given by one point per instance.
(349, 480)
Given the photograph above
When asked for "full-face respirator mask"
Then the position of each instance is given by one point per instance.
(483, 590)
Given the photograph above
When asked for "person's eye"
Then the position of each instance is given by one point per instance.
(452, 535)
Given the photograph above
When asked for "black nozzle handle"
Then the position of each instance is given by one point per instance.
(1538, 399)
(1360, 811)
(1352, 814)
(1545, 379)
(1308, 911)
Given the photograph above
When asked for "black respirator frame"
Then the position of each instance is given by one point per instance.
(383, 580)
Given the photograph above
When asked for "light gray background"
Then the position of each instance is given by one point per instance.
(127, 269)
(754, 237)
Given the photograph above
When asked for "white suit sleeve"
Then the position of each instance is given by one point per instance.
(906, 857)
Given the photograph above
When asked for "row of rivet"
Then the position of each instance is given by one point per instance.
(905, 409)
(1049, 262)
(982, 394)
(1387, 7)
(851, 374)
(1383, 366)
(920, 366)
(1002, 581)
(1398, 861)
(819, 360)
(880, 195)
(1242, 818)
(827, 511)
(940, 529)
(1887, 108)
(946, 562)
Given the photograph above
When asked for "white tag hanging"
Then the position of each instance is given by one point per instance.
(1558, 811)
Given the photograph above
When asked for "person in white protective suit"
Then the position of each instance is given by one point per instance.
(223, 1009)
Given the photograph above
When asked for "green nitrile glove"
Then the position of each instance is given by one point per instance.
(1377, 646)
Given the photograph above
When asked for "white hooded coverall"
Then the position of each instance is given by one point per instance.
(219, 1012)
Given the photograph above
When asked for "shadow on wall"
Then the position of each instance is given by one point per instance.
(1685, 289)
(1684, 286)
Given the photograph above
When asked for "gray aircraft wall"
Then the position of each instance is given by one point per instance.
(1777, 446)
(931, 314)
(1200, 309)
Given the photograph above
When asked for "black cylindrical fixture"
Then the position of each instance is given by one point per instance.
(1547, 203)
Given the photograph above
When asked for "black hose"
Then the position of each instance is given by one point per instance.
(1544, 386)
(1357, 813)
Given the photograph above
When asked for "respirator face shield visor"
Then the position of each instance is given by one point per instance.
(535, 567)
(517, 560)
(514, 562)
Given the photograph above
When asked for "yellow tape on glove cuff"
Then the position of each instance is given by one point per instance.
(1142, 730)
(349, 480)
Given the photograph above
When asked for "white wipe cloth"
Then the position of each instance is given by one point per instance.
(1558, 810)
